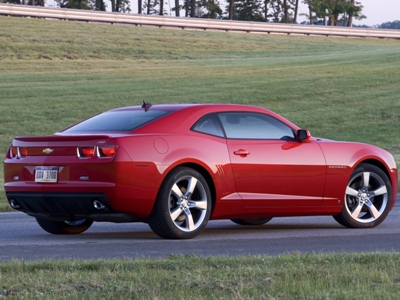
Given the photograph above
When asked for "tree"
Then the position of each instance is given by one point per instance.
(161, 10)
(120, 6)
(211, 9)
(76, 4)
(193, 8)
(154, 7)
(354, 10)
(335, 8)
(13, 1)
(265, 10)
(187, 8)
(177, 8)
(190, 7)
(338, 12)
(148, 6)
(34, 2)
(248, 10)
(231, 9)
(296, 11)
(310, 15)
(25, 2)
(99, 5)
(284, 11)
(151, 7)
(277, 10)
(140, 4)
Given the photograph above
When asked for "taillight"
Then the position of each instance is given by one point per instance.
(100, 151)
(23, 152)
(18, 152)
(14, 152)
(106, 151)
(84, 152)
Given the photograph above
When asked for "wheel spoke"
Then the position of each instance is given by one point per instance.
(191, 186)
(380, 191)
(201, 205)
(373, 209)
(177, 191)
(176, 213)
(189, 220)
(351, 192)
(357, 211)
(366, 180)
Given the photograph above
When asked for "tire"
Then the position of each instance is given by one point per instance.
(64, 227)
(183, 205)
(259, 221)
(367, 199)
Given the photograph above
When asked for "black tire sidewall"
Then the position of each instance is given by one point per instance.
(60, 227)
(160, 220)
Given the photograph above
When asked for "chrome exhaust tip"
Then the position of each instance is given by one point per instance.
(98, 205)
(14, 204)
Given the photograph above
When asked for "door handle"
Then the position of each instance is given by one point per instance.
(241, 152)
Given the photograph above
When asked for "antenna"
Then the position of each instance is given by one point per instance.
(146, 105)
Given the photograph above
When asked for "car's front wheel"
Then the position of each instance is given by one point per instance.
(368, 198)
(183, 205)
(64, 227)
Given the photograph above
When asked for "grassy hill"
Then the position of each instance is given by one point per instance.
(54, 73)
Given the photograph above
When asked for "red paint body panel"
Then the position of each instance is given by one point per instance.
(270, 178)
(279, 173)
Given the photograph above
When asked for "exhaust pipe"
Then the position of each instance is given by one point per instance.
(14, 204)
(98, 205)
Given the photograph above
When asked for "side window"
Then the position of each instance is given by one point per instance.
(208, 125)
(247, 125)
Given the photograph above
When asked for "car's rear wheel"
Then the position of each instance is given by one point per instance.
(367, 199)
(259, 221)
(183, 205)
(64, 227)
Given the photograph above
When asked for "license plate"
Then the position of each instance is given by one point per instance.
(46, 174)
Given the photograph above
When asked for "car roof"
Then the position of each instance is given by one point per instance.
(185, 115)
(179, 106)
(155, 106)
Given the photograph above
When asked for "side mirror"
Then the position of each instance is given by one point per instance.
(302, 135)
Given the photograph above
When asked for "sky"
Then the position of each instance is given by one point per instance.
(379, 11)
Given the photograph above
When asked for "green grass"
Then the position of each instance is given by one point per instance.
(54, 73)
(296, 276)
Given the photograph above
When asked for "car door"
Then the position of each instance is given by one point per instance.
(271, 168)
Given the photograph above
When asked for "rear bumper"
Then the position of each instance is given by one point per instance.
(67, 206)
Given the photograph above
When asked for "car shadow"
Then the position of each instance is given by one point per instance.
(212, 230)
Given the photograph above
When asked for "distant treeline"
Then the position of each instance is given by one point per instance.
(386, 25)
(390, 25)
(320, 12)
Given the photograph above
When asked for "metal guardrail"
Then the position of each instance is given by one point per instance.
(191, 23)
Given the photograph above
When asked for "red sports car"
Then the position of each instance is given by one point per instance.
(178, 166)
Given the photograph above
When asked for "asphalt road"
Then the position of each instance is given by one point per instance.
(22, 238)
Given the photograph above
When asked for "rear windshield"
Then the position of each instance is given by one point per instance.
(122, 120)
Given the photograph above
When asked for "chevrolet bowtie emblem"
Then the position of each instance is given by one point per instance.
(48, 150)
